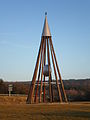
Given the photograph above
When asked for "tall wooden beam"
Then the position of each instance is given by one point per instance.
(60, 97)
(31, 89)
(42, 62)
(36, 94)
(44, 75)
(59, 72)
(50, 91)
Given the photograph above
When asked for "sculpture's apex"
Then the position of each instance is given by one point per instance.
(45, 13)
(46, 30)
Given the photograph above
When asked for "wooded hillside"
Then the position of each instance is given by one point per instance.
(76, 90)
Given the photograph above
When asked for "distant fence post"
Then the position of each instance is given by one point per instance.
(10, 88)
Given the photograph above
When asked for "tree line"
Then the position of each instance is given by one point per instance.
(76, 90)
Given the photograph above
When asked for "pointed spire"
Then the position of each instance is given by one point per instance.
(46, 30)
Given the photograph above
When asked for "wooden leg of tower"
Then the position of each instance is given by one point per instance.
(37, 83)
(59, 72)
(44, 75)
(32, 87)
(41, 87)
(60, 97)
(44, 91)
(36, 74)
(50, 91)
(42, 61)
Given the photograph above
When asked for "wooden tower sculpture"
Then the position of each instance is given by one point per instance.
(43, 72)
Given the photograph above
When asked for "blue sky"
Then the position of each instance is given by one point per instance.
(21, 24)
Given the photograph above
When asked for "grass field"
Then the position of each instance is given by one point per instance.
(72, 111)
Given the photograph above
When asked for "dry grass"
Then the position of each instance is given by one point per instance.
(13, 99)
(73, 111)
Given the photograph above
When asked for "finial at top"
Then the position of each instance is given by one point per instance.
(46, 30)
(45, 13)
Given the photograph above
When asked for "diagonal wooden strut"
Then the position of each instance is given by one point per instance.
(44, 75)
(58, 71)
(37, 83)
(60, 97)
(42, 62)
(50, 90)
(32, 87)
